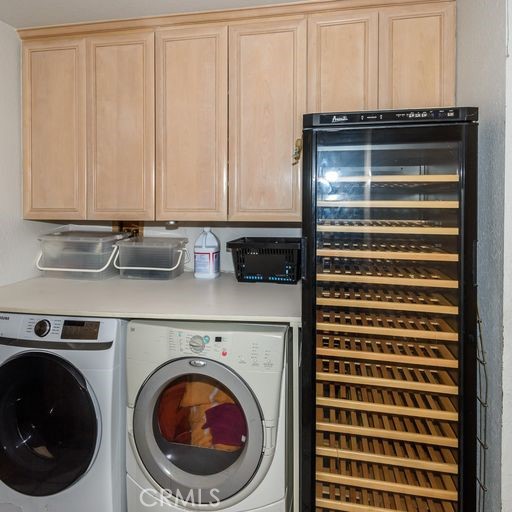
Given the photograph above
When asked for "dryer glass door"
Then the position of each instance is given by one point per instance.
(48, 431)
(198, 431)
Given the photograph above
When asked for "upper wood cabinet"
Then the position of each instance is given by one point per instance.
(219, 141)
(267, 97)
(417, 56)
(54, 129)
(343, 61)
(121, 127)
(192, 123)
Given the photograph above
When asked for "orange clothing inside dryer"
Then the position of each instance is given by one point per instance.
(200, 397)
(203, 393)
(182, 413)
(172, 418)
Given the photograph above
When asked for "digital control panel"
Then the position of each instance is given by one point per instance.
(228, 348)
(57, 329)
(391, 116)
(80, 330)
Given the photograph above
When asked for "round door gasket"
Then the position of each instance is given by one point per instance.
(167, 475)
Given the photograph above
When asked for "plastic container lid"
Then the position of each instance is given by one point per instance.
(154, 241)
(83, 236)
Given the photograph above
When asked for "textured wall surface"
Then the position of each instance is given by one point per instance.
(481, 80)
(506, 473)
(18, 238)
(33, 13)
(224, 234)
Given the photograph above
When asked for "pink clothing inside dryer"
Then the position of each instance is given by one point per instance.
(227, 425)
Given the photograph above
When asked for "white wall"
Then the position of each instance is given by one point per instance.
(224, 234)
(506, 473)
(481, 82)
(18, 238)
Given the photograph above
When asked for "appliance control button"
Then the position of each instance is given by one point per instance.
(42, 328)
(197, 363)
(196, 344)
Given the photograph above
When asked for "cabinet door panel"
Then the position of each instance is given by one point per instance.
(54, 129)
(417, 56)
(267, 78)
(121, 130)
(343, 61)
(192, 97)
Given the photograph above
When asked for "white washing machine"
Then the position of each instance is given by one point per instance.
(62, 410)
(207, 417)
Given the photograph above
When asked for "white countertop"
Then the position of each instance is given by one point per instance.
(184, 298)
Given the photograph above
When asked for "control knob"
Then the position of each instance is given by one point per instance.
(42, 328)
(196, 344)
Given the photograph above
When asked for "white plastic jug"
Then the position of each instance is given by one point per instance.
(206, 255)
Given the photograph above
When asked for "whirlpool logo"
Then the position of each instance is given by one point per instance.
(152, 498)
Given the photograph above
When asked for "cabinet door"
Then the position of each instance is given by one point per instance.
(417, 56)
(343, 61)
(267, 86)
(54, 133)
(192, 124)
(121, 127)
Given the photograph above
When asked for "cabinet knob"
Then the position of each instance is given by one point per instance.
(297, 151)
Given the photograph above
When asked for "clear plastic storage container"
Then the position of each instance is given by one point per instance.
(151, 257)
(77, 254)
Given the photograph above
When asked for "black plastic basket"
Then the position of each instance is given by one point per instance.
(266, 260)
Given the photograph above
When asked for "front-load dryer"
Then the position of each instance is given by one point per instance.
(207, 422)
(62, 413)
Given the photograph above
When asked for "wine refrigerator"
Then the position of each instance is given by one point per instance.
(388, 359)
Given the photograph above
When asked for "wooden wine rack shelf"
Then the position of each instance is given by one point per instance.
(386, 401)
(386, 273)
(389, 299)
(384, 251)
(390, 227)
(386, 376)
(389, 204)
(333, 422)
(389, 460)
(351, 499)
(387, 478)
(400, 453)
(398, 449)
(388, 351)
(386, 325)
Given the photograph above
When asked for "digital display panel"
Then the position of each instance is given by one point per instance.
(80, 330)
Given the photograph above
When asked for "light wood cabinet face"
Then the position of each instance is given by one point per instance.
(343, 61)
(121, 130)
(192, 124)
(417, 56)
(267, 82)
(54, 129)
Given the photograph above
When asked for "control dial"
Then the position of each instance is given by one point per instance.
(196, 344)
(42, 328)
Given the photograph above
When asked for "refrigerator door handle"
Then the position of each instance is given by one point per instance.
(475, 271)
(303, 259)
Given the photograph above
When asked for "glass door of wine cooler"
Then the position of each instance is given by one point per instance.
(387, 294)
